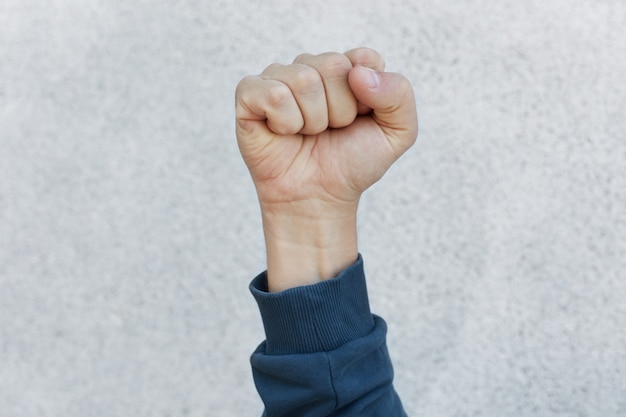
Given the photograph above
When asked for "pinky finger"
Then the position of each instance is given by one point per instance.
(269, 101)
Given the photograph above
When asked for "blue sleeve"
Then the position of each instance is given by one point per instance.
(325, 354)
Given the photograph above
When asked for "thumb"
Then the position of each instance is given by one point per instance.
(391, 98)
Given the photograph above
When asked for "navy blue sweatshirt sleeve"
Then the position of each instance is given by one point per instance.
(325, 354)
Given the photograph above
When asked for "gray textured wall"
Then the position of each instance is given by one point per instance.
(129, 230)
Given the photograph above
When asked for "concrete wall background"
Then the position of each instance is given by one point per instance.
(495, 249)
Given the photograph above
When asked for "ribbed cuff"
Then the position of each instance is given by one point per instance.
(315, 318)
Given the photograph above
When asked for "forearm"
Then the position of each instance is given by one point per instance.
(305, 246)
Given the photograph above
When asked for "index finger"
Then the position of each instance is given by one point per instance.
(366, 57)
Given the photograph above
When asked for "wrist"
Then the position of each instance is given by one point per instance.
(308, 244)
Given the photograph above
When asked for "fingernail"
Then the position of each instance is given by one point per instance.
(373, 79)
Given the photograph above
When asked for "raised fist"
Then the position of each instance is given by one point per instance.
(323, 128)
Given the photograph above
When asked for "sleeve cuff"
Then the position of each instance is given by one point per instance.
(315, 318)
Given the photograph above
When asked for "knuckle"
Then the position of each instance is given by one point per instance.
(307, 80)
(243, 85)
(368, 57)
(285, 126)
(302, 58)
(336, 65)
(278, 95)
(365, 52)
(271, 68)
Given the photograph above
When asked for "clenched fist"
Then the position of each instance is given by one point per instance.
(315, 134)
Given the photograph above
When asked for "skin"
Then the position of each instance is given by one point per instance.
(315, 134)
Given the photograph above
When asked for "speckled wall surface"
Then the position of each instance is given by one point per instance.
(129, 230)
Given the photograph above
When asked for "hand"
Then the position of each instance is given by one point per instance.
(315, 134)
